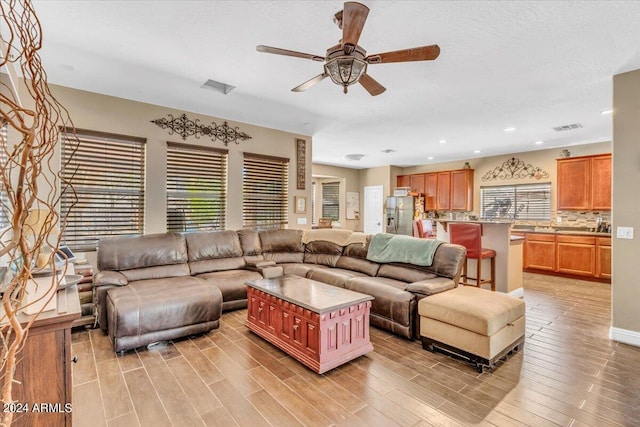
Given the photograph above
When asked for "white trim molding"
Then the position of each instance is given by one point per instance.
(625, 336)
(518, 293)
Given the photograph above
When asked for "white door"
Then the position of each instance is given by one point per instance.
(373, 209)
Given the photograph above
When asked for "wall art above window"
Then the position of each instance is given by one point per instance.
(514, 169)
(185, 127)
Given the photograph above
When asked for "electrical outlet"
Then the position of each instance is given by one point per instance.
(624, 232)
(558, 219)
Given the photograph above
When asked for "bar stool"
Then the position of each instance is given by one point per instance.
(470, 236)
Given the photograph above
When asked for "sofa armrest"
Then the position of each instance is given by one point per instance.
(110, 278)
(431, 286)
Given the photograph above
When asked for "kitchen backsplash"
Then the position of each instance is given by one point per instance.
(572, 219)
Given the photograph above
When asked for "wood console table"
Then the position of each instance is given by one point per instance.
(319, 325)
(44, 372)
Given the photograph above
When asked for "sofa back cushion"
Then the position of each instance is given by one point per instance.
(251, 247)
(354, 257)
(214, 251)
(404, 272)
(322, 252)
(151, 256)
(282, 246)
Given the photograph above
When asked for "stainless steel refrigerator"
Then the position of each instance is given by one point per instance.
(400, 210)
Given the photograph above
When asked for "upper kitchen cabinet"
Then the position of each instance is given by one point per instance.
(462, 190)
(417, 183)
(443, 193)
(584, 183)
(403, 181)
(430, 191)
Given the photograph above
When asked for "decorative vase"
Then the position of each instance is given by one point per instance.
(466, 165)
(565, 153)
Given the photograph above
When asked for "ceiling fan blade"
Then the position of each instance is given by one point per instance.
(372, 86)
(424, 53)
(354, 16)
(311, 82)
(285, 52)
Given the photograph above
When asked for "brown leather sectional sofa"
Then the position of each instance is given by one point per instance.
(168, 276)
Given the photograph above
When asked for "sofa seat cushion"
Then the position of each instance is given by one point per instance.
(147, 311)
(431, 286)
(333, 276)
(391, 301)
(231, 282)
(478, 310)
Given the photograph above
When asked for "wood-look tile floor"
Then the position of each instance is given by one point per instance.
(569, 374)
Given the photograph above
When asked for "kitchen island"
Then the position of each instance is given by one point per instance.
(496, 235)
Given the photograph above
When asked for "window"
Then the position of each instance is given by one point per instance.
(106, 172)
(196, 188)
(524, 202)
(265, 191)
(4, 202)
(331, 200)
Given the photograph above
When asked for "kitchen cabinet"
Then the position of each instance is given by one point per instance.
(462, 190)
(403, 181)
(540, 251)
(584, 183)
(601, 182)
(603, 257)
(417, 183)
(576, 255)
(443, 192)
(430, 191)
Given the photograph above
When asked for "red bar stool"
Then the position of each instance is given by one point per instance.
(470, 236)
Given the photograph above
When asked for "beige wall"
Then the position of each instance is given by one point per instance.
(626, 207)
(349, 181)
(544, 159)
(116, 115)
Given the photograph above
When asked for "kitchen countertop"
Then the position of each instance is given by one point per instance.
(563, 232)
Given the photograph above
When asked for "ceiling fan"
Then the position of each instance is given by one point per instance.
(346, 63)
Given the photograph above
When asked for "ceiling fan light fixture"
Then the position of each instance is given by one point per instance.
(345, 70)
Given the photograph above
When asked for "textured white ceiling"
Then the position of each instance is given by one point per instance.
(529, 65)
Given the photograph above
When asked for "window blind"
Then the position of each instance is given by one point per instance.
(265, 185)
(524, 202)
(196, 188)
(4, 219)
(331, 200)
(106, 172)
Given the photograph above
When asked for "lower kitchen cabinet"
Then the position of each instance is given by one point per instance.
(540, 252)
(576, 255)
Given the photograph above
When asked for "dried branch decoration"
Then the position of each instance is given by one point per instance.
(28, 178)
(514, 169)
(185, 127)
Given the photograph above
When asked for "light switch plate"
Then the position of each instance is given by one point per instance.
(624, 232)
(302, 221)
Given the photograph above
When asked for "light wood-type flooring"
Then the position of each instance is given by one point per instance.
(569, 374)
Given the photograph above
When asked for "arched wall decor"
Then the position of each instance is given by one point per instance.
(514, 169)
(185, 127)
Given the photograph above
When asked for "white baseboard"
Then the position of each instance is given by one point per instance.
(625, 336)
(518, 293)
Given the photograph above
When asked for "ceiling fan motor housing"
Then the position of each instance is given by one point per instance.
(345, 69)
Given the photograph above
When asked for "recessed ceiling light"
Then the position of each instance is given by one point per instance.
(509, 129)
(476, 151)
(430, 158)
(605, 112)
(539, 142)
(443, 141)
(388, 150)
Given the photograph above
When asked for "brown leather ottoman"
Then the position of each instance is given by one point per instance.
(148, 311)
(472, 323)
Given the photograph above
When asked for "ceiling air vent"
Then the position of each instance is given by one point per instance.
(218, 86)
(567, 127)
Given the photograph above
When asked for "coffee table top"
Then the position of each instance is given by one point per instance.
(315, 296)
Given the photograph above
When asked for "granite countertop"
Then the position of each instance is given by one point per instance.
(565, 231)
(478, 221)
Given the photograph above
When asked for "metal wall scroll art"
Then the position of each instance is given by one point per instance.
(514, 169)
(301, 163)
(185, 127)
